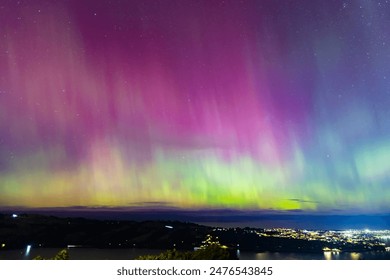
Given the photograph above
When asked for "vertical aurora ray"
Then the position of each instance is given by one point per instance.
(195, 104)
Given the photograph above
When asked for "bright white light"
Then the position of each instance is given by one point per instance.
(367, 230)
(169, 227)
(28, 249)
(328, 255)
(14, 215)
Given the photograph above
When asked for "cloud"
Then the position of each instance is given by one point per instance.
(150, 203)
(303, 200)
(295, 210)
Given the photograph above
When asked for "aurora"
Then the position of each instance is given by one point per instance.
(246, 105)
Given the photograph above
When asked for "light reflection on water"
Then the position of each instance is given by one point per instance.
(315, 256)
(356, 256)
(129, 254)
(328, 255)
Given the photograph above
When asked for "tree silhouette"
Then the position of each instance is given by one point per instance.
(211, 249)
(61, 255)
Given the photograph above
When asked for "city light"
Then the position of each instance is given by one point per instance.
(337, 240)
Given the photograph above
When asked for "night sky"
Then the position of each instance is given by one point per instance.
(263, 106)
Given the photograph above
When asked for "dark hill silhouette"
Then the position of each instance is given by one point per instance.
(55, 232)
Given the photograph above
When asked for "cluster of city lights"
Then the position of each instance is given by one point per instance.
(368, 239)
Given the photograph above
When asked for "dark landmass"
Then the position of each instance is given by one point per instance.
(49, 231)
(152, 211)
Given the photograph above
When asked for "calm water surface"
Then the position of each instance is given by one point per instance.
(129, 254)
(78, 253)
(315, 256)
